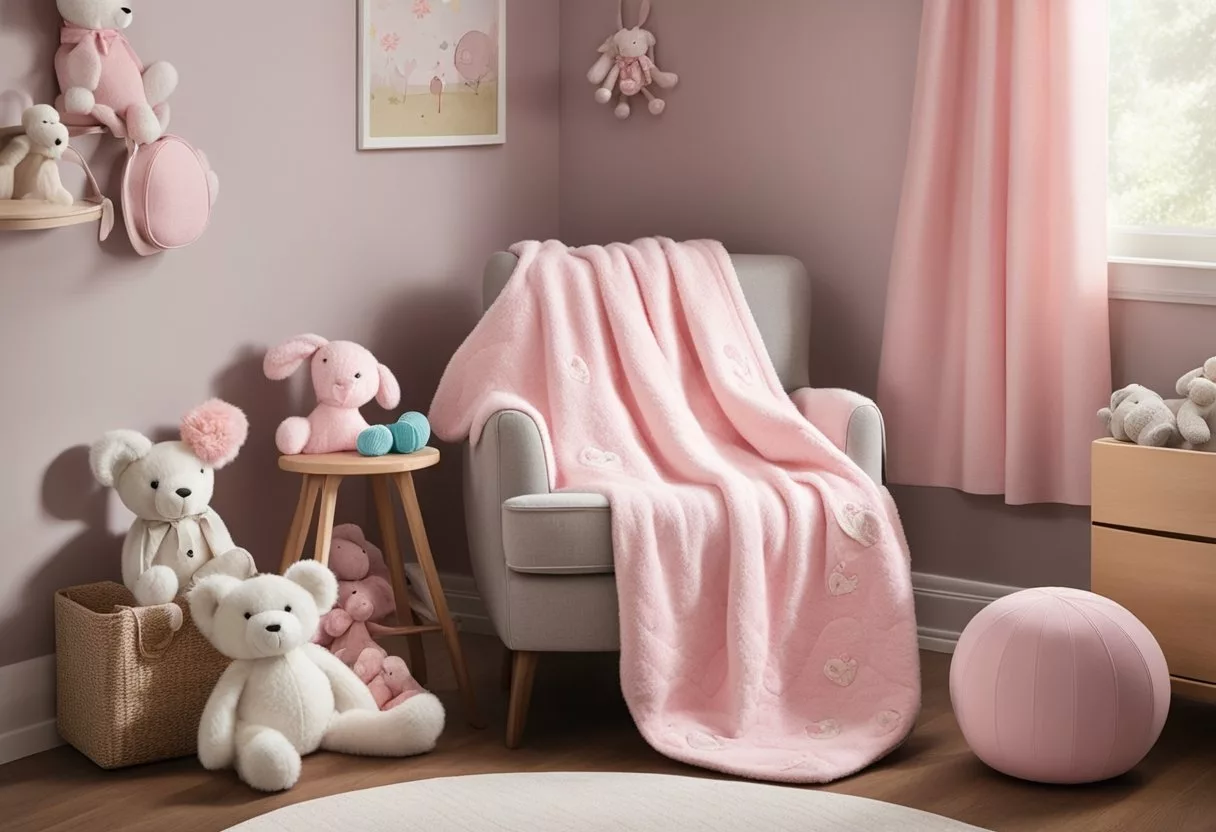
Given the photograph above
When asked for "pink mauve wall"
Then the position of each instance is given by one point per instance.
(788, 135)
(384, 248)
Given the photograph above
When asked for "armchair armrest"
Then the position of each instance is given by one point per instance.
(508, 461)
(850, 421)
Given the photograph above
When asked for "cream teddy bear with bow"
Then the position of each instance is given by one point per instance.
(176, 538)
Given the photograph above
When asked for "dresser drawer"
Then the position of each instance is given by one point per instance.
(1170, 585)
(1161, 489)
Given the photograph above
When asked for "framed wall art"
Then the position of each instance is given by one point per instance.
(432, 73)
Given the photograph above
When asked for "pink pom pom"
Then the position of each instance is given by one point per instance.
(215, 432)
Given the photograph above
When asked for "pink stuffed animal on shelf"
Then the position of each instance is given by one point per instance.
(345, 376)
(627, 59)
(103, 80)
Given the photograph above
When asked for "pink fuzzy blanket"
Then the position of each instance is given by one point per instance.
(767, 627)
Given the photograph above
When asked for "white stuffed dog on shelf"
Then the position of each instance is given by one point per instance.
(177, 538)
(29, 162)
(283, 697)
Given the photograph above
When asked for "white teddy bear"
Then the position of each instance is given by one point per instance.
(282, 696)
(177, 537)
(29, 163)
(1197, 413)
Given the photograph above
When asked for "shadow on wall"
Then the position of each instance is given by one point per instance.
(255, 499)
(71, 495)
(415, 334)
(29, 36)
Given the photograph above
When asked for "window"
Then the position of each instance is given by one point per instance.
(1162, 203)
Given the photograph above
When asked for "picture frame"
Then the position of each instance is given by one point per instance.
(431, 73)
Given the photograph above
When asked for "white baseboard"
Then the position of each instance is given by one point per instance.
(464, 602)
(945, 605)
(27, 708)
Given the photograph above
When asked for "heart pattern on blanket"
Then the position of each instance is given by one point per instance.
(887, 721)
(824, 729)
(841, 671)
(741, 365)
(860, 523)
(704, 742)
(840, 583)
(578, 370)
(599, 459)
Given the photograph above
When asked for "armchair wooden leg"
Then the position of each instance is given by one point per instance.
(523, 672)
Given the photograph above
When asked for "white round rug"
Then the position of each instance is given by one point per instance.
(589, 802)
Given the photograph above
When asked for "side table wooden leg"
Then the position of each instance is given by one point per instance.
(422, 547)
(298, 534)
(396, 571)
(325, 523)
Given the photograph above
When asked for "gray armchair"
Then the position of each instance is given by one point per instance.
(543, 561)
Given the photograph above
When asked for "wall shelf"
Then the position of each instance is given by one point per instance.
(34, 215)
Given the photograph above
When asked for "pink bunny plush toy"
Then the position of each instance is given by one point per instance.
(102, 79)
(345, 376)
(627, 59)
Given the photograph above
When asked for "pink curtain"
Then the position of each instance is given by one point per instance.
(996, 352)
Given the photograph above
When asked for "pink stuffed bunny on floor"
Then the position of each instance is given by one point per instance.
(345, 376)
(388, 678)
(364, 597)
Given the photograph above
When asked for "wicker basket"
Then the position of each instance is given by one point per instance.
(131, 681)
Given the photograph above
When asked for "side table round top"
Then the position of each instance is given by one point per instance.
(354, 464)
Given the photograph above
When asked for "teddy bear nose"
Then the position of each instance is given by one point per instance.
(58, 142)
(272, 628)
(183, 492)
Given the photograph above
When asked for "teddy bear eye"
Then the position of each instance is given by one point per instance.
(354, 592)
(200, 470)
(324, 360)
(287, 608)
(248, 615)
(358, 375)
(156, 483)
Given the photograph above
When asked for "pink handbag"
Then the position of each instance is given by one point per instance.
(168, 190)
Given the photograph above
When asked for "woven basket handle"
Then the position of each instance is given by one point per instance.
(155, 628)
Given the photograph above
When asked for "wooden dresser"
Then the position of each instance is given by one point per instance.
(1154, 551)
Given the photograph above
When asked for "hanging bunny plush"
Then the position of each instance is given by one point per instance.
(627, 61)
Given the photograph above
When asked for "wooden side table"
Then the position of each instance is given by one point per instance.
(322, 476)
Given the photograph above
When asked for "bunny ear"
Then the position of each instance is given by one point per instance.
(286, 358)
(389, 393)
(645, 13)
(620, 15)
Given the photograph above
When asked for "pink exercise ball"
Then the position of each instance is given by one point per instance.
(1059, 686)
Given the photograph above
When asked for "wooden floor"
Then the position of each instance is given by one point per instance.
(579, 723)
